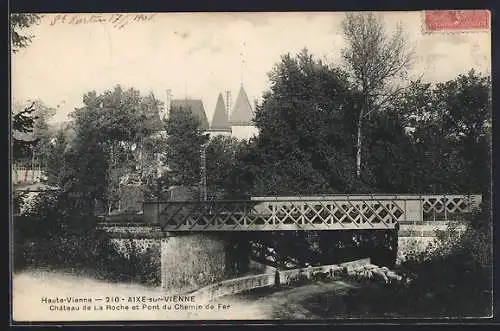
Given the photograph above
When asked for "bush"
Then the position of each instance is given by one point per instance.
(58, 232)
(455, 277)
(131, 264)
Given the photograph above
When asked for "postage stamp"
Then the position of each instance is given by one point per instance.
(250, 166)
(456, 20)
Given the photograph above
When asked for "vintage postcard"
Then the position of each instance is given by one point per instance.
(251, 166)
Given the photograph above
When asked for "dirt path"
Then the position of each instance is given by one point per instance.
(295, 302)
(32, 289)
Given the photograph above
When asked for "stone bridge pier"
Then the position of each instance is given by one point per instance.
(192, 260)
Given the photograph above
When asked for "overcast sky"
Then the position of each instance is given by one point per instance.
(200, 55)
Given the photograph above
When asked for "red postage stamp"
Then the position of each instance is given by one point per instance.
(456, 20)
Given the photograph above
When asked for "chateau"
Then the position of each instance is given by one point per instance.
(236, 122)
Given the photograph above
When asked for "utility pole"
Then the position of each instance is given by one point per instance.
(228, 103)
(167, 106)
(203, 173)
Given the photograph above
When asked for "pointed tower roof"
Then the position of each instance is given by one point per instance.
(242, 113)
(220, 121)
(196, 107)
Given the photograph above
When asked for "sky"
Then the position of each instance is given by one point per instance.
(200, 55)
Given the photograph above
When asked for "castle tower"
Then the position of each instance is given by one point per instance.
(241, 118)
(220, 120)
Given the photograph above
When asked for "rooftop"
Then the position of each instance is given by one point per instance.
(242, 113)
(220, 121)
(196, 107)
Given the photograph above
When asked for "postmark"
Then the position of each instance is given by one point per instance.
(456, 20)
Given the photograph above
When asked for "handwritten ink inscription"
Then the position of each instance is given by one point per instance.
(116, 20)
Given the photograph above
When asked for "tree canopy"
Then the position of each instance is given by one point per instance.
(305, 131)
(109, 143)
(184, 144)
(18, 23)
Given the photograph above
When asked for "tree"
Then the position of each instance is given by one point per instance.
(184, 143)
(374, 61)
(435, 138)
(392, 153)
(22, 123)
(20, 22)
(31, 134)
(454, 131)
(110, 130)
(56, 163)
(221, 154)
(305, 132)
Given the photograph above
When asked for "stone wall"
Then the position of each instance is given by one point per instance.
(134, 238)
(127, 246)
(274, 277)
(413, 239)
(193, 260)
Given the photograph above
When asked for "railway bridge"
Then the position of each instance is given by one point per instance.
(189, 235)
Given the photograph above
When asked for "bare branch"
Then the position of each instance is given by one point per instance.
(374, 59)
(372, 56)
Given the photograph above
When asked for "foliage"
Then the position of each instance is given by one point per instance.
(56, 159)
(436, 138)
(221, 153)
(391, 153)
(184, 143)
(20, 22)
(57, 232)
(302, 147)
(454, 278)
(154, 171)
(22, 122)
(156, 187)
(374, 60)
(110, 143)
(31, 134)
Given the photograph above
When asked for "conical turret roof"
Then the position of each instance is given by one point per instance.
(242, 113)
(196, 107)
(220, 121)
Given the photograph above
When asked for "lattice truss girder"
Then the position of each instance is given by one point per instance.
(269, 215)
(449, 203)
